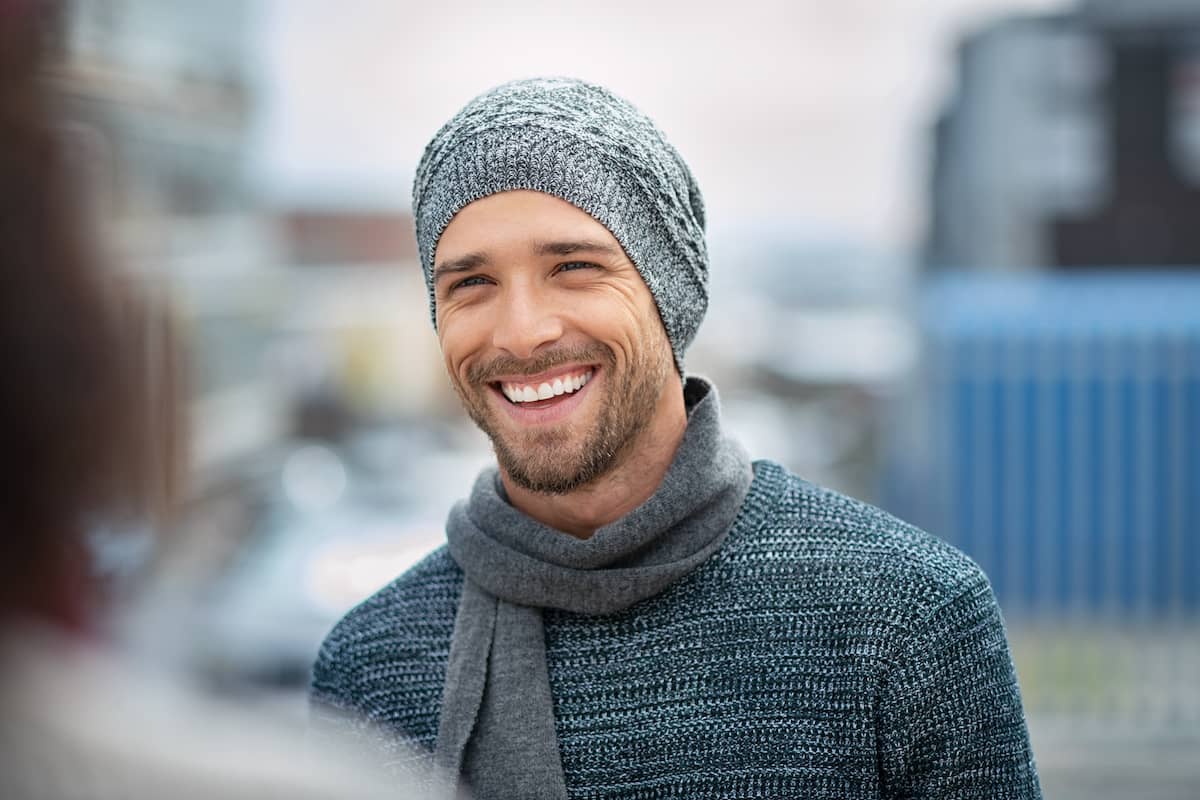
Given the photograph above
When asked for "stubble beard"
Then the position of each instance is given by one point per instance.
(562, 458)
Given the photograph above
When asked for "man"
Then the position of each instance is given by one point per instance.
(627, 606)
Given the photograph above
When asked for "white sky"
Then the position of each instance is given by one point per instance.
(811, 114)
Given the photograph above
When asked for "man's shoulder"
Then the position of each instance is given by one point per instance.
(434, 579)
(414, 613)
(855, 546)
(404, 629)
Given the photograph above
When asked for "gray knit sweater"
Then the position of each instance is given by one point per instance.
(827, 650)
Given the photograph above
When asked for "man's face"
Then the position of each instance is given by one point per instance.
(550, 337)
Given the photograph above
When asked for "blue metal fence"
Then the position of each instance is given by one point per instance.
(1054, 435)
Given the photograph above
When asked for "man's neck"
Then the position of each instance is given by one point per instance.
(620, 490)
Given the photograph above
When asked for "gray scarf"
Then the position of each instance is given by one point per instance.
(497, 719)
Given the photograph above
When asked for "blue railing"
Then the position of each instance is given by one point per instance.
(1053, 433)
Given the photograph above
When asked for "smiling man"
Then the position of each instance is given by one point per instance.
(627, 606)
(555, 345)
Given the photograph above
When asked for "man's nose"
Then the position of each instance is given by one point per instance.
(527, 320)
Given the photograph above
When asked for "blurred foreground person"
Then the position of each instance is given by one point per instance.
(81, 455)
(628, 607)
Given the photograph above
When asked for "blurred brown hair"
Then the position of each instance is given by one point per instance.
(87, 407)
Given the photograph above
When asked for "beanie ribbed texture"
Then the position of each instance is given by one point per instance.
(581, 143)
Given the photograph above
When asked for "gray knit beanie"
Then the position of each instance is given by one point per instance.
(581, 143)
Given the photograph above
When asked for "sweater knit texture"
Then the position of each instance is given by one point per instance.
(826, 650)
(583, 144)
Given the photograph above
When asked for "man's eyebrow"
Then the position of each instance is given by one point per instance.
(566, 248)
(473, 261)
(465, 263)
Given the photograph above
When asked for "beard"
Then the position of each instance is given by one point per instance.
(564, 457)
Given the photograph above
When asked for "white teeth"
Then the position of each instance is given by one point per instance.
(524, 393)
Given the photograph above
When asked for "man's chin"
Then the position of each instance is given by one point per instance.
(540, 480)
(550, 461)
(540, 474)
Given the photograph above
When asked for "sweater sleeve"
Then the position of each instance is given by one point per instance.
(950, 716)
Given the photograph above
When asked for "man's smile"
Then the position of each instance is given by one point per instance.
(546, 387)
(545, 398)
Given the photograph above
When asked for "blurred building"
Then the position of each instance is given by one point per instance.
(358, 320)
(159, 103)
(317, 237)
(1050, 427)
(1073, 140)
(805, 383)
(318, 407)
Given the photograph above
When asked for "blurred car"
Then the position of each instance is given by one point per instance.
(338, 523)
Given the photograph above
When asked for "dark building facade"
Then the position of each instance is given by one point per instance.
(1073, 141)
(1150, 215)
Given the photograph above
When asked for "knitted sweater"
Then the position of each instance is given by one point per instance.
(827, 650)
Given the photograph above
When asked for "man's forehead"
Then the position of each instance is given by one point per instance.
(523, 221)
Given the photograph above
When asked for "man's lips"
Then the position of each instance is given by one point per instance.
(549, 409)
(546, 385)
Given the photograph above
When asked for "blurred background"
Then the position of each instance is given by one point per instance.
(955, 251)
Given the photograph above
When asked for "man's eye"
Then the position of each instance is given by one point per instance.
(474, 280)
(574, 265)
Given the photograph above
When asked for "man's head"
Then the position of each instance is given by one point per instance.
(580, 143)
(562, 241)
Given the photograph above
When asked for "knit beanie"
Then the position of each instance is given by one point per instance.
(581, 143)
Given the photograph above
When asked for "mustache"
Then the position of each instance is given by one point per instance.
(508, 365)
